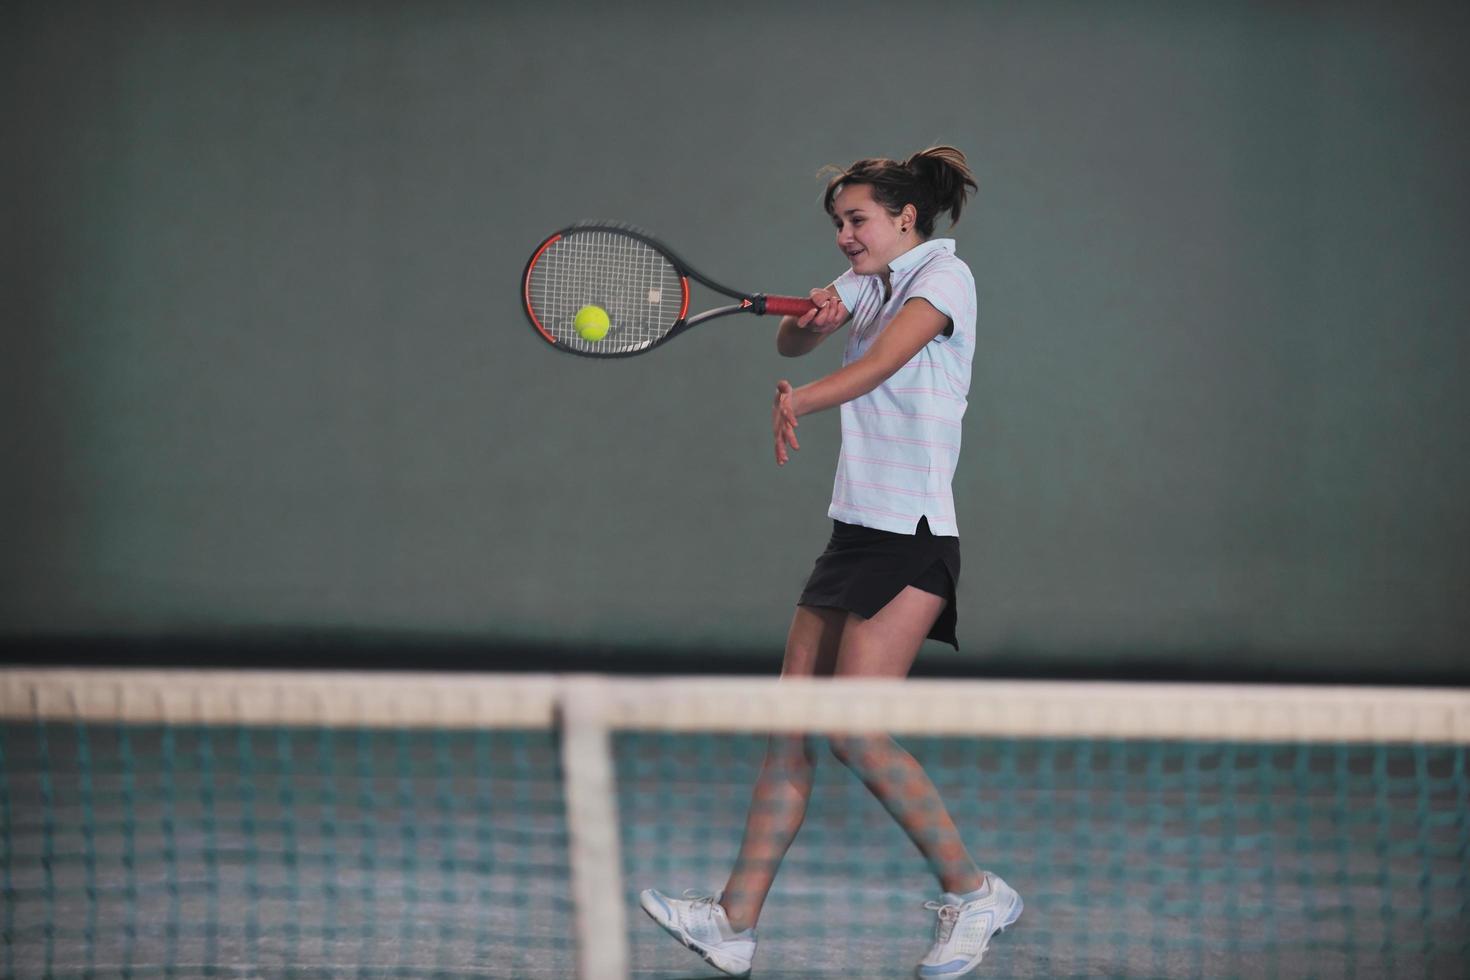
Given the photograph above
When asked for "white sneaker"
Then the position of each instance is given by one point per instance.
(699, 922)
(965, 926)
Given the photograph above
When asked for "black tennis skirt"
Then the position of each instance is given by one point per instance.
(864, 568)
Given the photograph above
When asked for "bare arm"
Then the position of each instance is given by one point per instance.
(795, 337)
(916, 324)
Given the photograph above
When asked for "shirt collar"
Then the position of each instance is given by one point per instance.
(908, 260)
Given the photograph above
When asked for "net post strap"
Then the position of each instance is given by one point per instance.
(592, 829)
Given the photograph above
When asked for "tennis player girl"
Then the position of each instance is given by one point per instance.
(886, 580)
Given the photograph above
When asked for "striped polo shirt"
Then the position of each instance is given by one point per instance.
(901, 441)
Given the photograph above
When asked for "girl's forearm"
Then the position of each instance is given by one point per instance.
(793, 341)
(842, 385)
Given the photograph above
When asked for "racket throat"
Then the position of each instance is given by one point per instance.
(751, 304)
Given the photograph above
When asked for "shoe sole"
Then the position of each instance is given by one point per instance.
(690, 944)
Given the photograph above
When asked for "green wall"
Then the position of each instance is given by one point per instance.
(264, 366)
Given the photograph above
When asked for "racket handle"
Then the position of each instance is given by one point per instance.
(788, 305)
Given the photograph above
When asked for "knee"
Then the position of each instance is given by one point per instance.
(790, 757)
(858, 752)
(803, 657)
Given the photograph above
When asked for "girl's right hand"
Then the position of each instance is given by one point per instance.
(783, 421)
(828, 314)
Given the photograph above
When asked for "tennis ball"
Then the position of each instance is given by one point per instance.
(592, 322)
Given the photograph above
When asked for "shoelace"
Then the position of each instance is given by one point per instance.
(692, 895)
(696, 900)
(948, 916)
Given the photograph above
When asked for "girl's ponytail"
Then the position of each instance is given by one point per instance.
(943, 182)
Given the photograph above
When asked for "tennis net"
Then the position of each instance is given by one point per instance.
(196, 823)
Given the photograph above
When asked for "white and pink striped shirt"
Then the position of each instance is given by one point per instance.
(901, 441)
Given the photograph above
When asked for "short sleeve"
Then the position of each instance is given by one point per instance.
(849, 286)
(949, 288)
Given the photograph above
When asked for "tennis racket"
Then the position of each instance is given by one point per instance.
(641, 283)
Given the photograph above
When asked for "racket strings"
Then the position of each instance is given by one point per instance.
(635, 283)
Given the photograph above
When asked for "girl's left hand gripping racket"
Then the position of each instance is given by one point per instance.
(641, 284)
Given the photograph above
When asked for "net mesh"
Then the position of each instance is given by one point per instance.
(641, 291)
(191, 851)
(190, 824)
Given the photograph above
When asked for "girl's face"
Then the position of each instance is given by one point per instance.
(868, 235)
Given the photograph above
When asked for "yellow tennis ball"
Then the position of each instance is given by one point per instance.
(592, 322)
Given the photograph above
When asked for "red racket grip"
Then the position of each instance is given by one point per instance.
(789, 305)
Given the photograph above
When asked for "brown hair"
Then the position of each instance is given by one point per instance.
(933, 181)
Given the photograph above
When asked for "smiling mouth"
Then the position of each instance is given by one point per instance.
(853, 255)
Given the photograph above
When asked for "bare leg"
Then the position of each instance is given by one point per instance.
(778, 804)
(885, 646)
